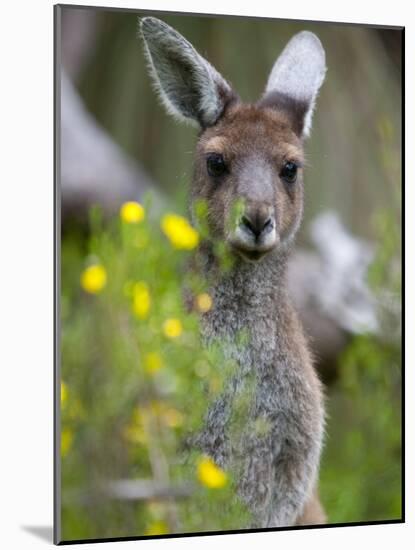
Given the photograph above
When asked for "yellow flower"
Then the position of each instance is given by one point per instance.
(135, 431)
(66, 441)
(93, 279)
(64, 394)
(172, 328)
(153, 362)
(135, 434)
(215, 384)
(202, 368)
(141, 299)
(155, 407)
(179, 231)
(172, 418)
(158, 527)
(156, 508)
(211, 475)
(132, 212)
(76, 410)
(204, 302)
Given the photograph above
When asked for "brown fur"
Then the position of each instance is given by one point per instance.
(243, 132)
(313, 513)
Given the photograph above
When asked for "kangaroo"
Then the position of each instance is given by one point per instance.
(254, 153)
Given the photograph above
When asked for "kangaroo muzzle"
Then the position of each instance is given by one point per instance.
(255, 233)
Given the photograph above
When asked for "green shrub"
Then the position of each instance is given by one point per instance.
(136, 381)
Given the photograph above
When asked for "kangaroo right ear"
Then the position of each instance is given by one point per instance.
(188, 85)
(296, 78)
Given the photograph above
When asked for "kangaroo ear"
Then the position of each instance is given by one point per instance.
(188, 85)
(296, 78)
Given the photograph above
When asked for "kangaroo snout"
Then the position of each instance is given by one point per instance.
(258, 222)
(255, 233)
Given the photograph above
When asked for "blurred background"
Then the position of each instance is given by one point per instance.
(117, 144)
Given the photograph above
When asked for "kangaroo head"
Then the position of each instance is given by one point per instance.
(249, 154)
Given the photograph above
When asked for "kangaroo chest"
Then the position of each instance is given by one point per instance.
(268, 400)
(246, 323)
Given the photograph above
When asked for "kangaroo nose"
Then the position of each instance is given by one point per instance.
(257, 223)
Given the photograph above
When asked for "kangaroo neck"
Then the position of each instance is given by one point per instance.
(250, 302)
(247, 285)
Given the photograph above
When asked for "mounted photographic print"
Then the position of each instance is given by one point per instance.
(228, 274)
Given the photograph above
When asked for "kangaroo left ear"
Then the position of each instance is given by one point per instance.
(189, 86)
(295, 80)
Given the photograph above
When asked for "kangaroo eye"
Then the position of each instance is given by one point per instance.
(289, 172)
(215, 165)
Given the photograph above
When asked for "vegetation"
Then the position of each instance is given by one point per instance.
(135, 380)
(136, 384)
(361, 472)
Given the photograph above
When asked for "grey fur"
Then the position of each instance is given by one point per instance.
(299, 72)
(280, 466)
(268, 424)
(188, 85)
